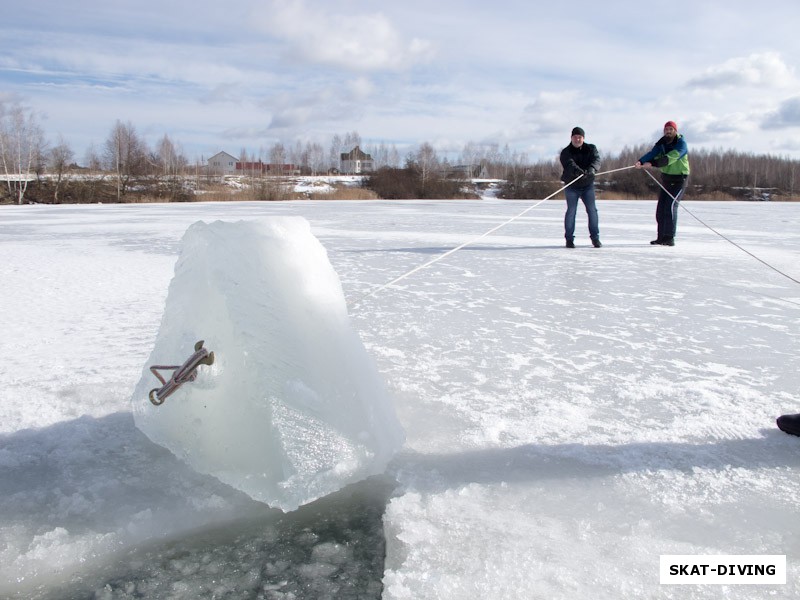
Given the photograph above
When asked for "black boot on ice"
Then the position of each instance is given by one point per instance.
(789, 424)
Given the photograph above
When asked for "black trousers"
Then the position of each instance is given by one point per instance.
(667, 207)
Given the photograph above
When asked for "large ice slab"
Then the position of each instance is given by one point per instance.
(293, 407)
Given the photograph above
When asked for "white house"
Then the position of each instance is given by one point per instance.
(356, 162)
(222, 163)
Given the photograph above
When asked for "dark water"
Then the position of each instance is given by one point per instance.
(332, 548)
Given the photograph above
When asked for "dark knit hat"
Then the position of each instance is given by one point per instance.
(672, 124)
(578, 131)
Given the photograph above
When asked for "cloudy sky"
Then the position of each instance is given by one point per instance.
(245, 74)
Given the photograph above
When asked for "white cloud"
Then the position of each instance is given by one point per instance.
(757, 70)
(552, 112)
(787, 115)
(9, 98)
(222, 93)
(785, 145)
(361, 88)
(708, 128)
(335, 102)
(357, 42)
(556, 113)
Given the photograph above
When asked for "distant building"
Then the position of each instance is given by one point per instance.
(262, 168)
(222, 163)
(356, 162)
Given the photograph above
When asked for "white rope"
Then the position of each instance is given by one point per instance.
(763, 262)
(615, 170)
(472, 241)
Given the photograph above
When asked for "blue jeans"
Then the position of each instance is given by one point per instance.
(587, 195)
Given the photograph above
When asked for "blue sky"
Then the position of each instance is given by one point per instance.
(246, 74)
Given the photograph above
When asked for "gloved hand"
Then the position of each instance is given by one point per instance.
(661, 161)
(588, 172)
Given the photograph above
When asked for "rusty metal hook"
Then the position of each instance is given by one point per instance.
(181, 374)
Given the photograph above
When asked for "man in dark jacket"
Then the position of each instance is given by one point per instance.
(580, 160)
(671, 155)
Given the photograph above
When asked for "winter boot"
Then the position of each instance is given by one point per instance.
(789, 424)
(596, 243)
(570, 244)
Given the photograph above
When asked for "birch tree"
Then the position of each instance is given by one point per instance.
(277, 156)
(428, 162)
(93, 160)
(316, 157)
(170, 161)
(60, 158)
(335, 152)
(22, 147)
(351, 140)
(172, 164)
(394, 157)
(470, 155)
(125, 154)
(381, 156)
(297, 155)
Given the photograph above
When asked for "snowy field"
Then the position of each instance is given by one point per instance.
(570, 415)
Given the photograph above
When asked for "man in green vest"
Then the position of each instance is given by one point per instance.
(671, 155)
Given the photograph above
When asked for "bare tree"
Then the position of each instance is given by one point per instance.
(470, 155)
(93, 161)
(169, 160)
(335, 155)
(380, 155)
(394, 157)
(506, 160)
(172, 164)
(428, 162)
(248, 168)
(22, 147)
(126, 155)
(493, 160)
(351, 140)
(277, 155)
(316, 158)
(297, 155)
(60, 159)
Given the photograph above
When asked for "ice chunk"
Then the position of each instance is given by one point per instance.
(293, 407)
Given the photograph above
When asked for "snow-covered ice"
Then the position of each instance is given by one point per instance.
(292, 408)
(571, 415)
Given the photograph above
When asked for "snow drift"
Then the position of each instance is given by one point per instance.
(292, 408)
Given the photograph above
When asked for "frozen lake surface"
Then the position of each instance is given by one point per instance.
(570, 415)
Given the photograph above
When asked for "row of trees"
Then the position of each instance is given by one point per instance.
(164, 172)
(422, 177)
(26, 155)
(313, 158)
(715, 174)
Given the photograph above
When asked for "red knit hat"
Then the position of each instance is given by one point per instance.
(672, 124)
